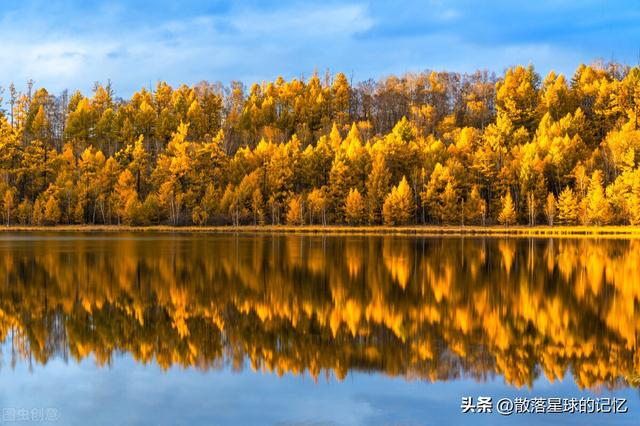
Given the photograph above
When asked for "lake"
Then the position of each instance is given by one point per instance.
(164, 329)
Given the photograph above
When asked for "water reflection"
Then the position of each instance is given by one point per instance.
(421, 308)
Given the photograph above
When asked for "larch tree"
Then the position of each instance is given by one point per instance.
(597, 207)
(317, 205)
(52, 212)
(377, 188)
(633, 199)
(37, 215)
(475, 208)
(9, 202)
(507, 215)
(354, 207)
(449, 200)
(25, 212)
(567, 207)
(399, 205)
(126, 200)
(550, 209)
(295, 211)
(517, 96)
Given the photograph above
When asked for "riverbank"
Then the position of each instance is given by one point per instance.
(375, 230)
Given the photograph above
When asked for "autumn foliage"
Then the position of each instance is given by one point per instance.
(429, 148)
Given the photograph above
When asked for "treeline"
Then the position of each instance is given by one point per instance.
(433, 147)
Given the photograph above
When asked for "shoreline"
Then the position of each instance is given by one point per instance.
(423, 230)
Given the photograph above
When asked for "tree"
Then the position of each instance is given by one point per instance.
(517, 96)
(634, 199)
(37, 217)
(52, 211)
(133, 213)
(597, 207)
(507, 215)
(440, 195)
(377, 188)
(210, 200)
(295, 211)
(550, 208)
(151, 209)
(169, 202)
(126, 200)
(139, 163)
(567, 207)
(317, 205)
(449, 202)
(25, 212)
(199, 216)
(531, 208)
(475, 208)
(399, 205)
(556, 97)
(354, 207)
(257, 207)
(9, 202)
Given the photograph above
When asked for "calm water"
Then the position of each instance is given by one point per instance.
(244, 329)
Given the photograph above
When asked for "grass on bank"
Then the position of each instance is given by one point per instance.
(337, 229)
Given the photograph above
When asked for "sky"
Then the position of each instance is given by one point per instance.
(71, 44)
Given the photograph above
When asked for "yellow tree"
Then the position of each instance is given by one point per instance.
(517, 96)
(550, 208)
(170, 201)
(9, 201)
(597, 206)
(377, 187)
(257, 208)
(567, 207)
(52, 211)
(317, 205)
(556, 98)
(354, 207)
(139, 163)
(80, 124)
(634, 199)
(507, 215)
(449, 202)
(37, 215)
(126, 200)
(475, 208)
(199, 216)
(440, 194)
(24, 212)
(295, 211)
(399, 206)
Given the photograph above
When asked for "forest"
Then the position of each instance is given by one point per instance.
(439, 148)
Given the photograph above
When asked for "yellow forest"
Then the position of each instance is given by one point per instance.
(321, 304)
(437, 148)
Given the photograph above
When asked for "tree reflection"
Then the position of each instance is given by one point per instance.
(422, 308)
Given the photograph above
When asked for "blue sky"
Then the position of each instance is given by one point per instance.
(71, 44)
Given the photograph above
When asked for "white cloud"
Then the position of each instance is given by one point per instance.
(328, 20)
(240, 44)
(72, 46)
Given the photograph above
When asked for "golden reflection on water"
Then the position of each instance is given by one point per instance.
(421, 308)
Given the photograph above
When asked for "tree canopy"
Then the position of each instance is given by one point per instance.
(429, 147)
